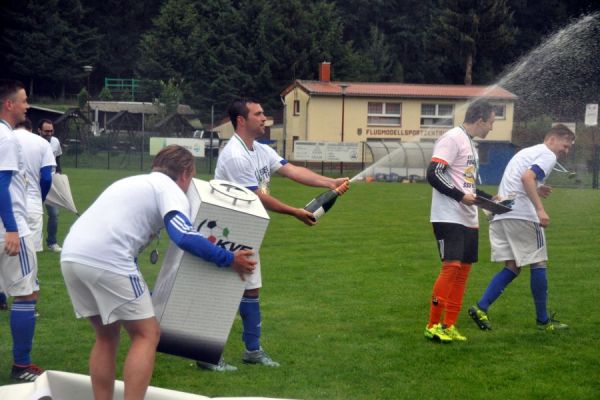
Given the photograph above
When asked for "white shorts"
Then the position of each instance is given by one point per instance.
(254, 280)
(36, 226)
(95, 291)
(18, 274)
(518, 240)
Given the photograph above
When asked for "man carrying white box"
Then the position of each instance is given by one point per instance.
(99, 265)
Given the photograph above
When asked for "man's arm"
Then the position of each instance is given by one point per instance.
(45, 181)
(12, 244)
(309, 178)
(273, 204)
(58, 169)
(436, 176)
(306, 177)
(529, 180)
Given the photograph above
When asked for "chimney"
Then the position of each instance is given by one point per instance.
(325, 71)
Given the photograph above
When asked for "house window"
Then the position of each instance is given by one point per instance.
(500, 111)
(437, 115)
(296, 107)
(387, 114)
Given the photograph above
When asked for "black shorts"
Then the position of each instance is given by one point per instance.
(456, 242)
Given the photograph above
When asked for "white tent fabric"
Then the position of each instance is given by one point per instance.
(398, 161)
(58, 385)
(60, 193)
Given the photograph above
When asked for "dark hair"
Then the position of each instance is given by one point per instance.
(239, 107)
(25, 124)
(173, 161)
(478, 109)
(44, 121)
(561, 131)
(8, 88)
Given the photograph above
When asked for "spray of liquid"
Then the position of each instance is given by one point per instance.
(547, 80)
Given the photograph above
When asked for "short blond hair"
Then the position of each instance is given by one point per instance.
(561, 131)
(173, 161)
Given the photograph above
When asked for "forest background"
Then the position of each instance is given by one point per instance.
(204, 52)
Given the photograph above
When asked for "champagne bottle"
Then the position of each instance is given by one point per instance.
(323, 202)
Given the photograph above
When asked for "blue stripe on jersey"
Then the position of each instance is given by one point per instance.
(539, 173)
(283, 162)
(253, 188)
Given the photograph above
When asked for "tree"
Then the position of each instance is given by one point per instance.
(120, 25)
(45, 40)
(469, 30)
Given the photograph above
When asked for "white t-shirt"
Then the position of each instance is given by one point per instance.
(122, 221)
(523, 208)
(249, 168)
(456, 149)
(55, 144)
(11, 159)
(38, 154)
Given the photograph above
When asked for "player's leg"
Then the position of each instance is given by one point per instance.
(502, 250)
(455, 298)
(52, 229)
(20, 277)
(539, 291)
(139, 363)
(497, 285)
(450, 241)
(470, 256)
(103, 357)
(252, 322)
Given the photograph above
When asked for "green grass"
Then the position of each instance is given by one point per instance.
(345, 303)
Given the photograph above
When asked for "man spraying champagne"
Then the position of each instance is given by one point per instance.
(251, 164)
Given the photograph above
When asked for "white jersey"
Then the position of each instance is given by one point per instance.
(122, 221)
(38, 154)
(523, 208)
(55, 144)
(456, 150)
(249, 168)
(11, 159)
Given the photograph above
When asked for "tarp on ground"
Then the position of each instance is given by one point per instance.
(58, 385)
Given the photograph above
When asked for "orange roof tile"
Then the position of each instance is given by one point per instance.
(365, 89)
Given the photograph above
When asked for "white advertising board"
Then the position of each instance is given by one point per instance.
(326, 151)
(195, 146)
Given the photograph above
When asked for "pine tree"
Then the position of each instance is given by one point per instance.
(467, 30)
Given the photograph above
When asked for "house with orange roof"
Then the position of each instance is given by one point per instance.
(339, 111)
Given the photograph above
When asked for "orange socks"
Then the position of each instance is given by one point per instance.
(455, 298)
(441, 290)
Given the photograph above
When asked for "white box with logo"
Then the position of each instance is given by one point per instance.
(195, 301)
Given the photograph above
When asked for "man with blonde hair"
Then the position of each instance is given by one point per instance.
(99, 265)
(517, 238)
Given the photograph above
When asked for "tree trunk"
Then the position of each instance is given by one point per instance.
(469, 70)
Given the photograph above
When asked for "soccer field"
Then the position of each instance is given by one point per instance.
(345, 303)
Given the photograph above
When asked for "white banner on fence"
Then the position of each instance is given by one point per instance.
(326, 151)
(591, 114)
(196, 146)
